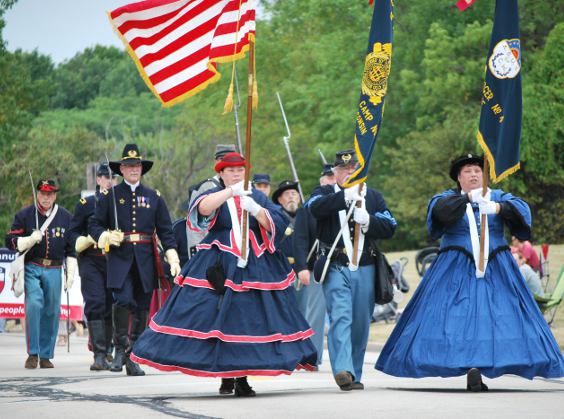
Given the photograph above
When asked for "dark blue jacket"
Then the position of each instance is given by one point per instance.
(54, 244)
(304, 239)
(83, 210)
(143, 211)
(325, 205)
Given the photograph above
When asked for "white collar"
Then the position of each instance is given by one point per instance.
(133, 186)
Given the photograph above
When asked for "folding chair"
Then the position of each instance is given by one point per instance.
(550, 302)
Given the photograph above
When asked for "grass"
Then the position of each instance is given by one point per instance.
(379, 332)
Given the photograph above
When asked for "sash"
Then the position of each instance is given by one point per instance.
(475, 239)
(236, 224)
(347, 236)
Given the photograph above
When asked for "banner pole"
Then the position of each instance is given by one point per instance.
(355, 260)
(244, 233)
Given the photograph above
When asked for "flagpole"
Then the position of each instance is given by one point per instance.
(355, 260)
(250, 77)
(485, 178)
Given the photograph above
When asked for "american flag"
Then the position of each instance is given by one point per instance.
(177, 44)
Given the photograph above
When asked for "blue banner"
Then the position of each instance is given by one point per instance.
(500, 118)
(377, 66)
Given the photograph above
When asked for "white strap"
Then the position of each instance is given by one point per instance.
(475, 239)
(349, 246)
(236, 223)
(46, 223)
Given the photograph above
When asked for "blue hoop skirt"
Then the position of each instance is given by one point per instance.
(456, 321)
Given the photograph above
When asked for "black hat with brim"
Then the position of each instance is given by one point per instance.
(462, 161)
(131, 156)
(345, 157)
(282, 187)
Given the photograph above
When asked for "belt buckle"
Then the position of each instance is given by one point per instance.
(46, 262)
(135, 237)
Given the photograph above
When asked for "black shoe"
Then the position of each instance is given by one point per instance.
(118, 362)
(344, 380)
(132, 368)
(227, 386)
(243, 389)
(357, 386)
(474, 381)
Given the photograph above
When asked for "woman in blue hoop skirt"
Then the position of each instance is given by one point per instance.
(463, 321)
(230, 316)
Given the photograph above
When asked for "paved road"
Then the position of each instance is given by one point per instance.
(71, 390)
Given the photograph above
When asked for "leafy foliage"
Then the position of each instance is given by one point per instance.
(55, 119)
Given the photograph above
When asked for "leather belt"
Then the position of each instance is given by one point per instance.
(50, 263)
(137, 238)
(340, 257)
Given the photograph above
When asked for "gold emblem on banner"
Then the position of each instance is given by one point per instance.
(376, 72)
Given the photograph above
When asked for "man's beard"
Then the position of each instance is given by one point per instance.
(291, 207)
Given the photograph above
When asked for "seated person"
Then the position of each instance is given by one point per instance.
(525, 249)
(531, 277)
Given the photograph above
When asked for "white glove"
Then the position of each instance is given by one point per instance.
(475, 194)
(71, 270)
(110, 238)
(360, 216)
(352, 194)
(173, 261)
(249, 205)
(27, 242)
(83, 243)
(239, 189)
(488, 207)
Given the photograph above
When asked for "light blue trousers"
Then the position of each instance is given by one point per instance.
(311, 303)
(42, 309)
(350, 303)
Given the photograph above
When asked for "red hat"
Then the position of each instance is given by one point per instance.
(230, 160)
(47, 185)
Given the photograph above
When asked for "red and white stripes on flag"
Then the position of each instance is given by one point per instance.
(177, 44)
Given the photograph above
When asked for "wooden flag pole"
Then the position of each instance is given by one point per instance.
(355, 260)
(251, 72)
(485, 178)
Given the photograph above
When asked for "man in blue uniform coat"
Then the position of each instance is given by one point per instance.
(92, 269)
(124, 223)
(42, 232)
(348, 286)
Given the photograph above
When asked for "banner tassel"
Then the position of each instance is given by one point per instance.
(228, 107)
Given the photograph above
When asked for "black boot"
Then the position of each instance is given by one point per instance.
(138, 324)
(121, 340)
(98, 338)
(227, 386)
(109, 333)
(242, 388)
(474, 381)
